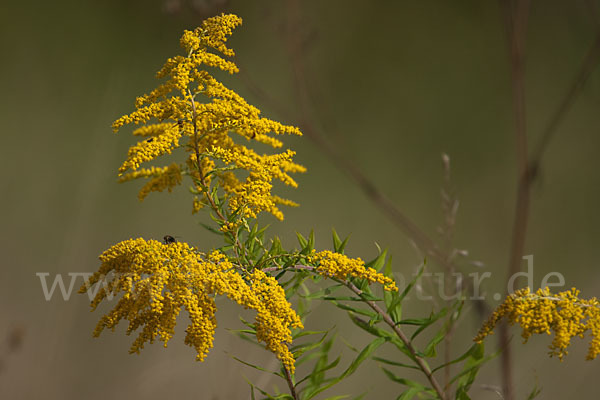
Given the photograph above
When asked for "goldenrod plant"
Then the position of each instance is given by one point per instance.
(212, 129)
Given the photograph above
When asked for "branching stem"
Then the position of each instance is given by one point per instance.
(421, 363)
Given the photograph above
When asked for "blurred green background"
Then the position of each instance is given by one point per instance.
(398, 82)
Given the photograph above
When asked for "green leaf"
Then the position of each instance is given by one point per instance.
(362, 356)
(261, 231)
(430, 348)
(336, 241)
(535, 391)
(302, 333)
(257, 367)
(249, 331)
(387, 271)
(338, 245)
(373, 330)
(333, 364)
(318, 373)
(432, 318)
(245, 337)
(409, 394)
(414, 387)
(413, 281)
(368, 313)
(469, 372)
(396, 363)
(321, 294)
(300, 349)
(215, 197)
(270, 397)
(368, 296)
(412, 321)
(466, 354)
(276, 247)
(252, 387)
(378, 262)
(462, 395)
(362, 284)
(247, 323)
(375, 319)
(393, 303)
(211, 229)
(303, 242)
(311, 241)
(402, 347)
(403, 381)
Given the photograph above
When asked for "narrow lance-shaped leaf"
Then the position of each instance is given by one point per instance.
(413, 282)
(338, 245)
(396, 363)
(469, 372)
(329, 366)
(378, 262)
(427, 322)
(362, 356)
(403, 381)
(409, 394)
(368, 313)
(303, 242)
(318, 372)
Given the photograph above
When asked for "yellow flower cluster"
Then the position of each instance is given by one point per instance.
(339, 266)
(564, 313)
(175, 116)
(274, 316)
(151, 148)
(254, 195)
(158, 280)
(162, 178)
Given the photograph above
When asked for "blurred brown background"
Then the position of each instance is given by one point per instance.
(394, 83)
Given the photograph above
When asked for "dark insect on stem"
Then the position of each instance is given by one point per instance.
(168, 239)
(179, 123)
(150, 140)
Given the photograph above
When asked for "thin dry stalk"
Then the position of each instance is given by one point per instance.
(516, 16)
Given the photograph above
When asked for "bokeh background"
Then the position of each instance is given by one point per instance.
(393, 85)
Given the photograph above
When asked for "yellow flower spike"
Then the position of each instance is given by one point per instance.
(150, 149)
(158, 280)
(162, 178)
(192, 104)
(564, 313)
(215, 31)
(336, 265)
